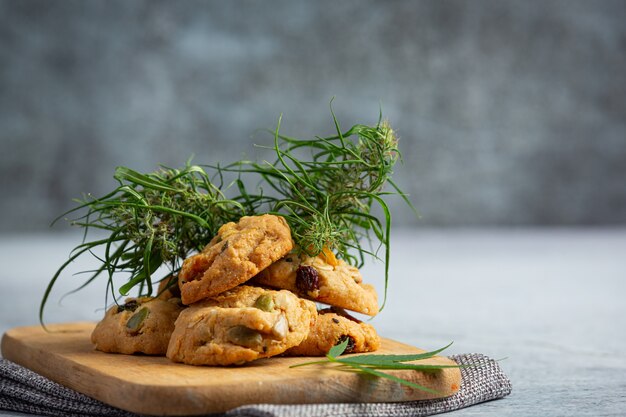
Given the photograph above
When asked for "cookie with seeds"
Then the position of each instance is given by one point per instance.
(334, 326)
(240, 325)
(141, 325)
(322, 278)
(238, 252)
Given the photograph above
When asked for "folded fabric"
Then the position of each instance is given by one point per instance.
(25, 391)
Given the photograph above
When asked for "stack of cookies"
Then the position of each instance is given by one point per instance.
(248, 295)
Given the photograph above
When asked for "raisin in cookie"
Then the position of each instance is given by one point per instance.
(141, 325)
(240, 325)
(333, 326)
(238, 252)
(323, 278)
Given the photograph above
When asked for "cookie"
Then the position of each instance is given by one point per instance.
(240, 325)
(238, 252)
(141, 325)
(332, 327)
(168, 288)
(323, 278)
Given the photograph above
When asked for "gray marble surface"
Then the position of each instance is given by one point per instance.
(549, 300)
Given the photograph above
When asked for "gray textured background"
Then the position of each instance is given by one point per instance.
(508, 113)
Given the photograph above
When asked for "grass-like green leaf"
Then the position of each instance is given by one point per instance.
(372, 364)
(381, 359)
(337, 350)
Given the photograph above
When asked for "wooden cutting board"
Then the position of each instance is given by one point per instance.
(154, 385)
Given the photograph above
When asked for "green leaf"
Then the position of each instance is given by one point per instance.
(127, 174)
(398, 365)
(370, 364)
(337, 350)
(383, 359)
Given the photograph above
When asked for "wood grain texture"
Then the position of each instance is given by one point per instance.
(154, 385)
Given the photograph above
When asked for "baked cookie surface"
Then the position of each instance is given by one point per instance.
(240, 325)
(168, 288)
(323, 278)
(141, 325)
(332, 327)
(238, 252)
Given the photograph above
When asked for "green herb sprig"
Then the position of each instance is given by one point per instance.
(324, 187)
(152, 219)
(371, 363)
(327, 198)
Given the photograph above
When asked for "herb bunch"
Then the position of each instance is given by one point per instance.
(324, 187)
(328, 198)
(152, 219)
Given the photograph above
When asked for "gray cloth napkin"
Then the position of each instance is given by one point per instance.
(23, 390)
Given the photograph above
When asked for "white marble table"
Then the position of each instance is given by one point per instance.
(552, 301)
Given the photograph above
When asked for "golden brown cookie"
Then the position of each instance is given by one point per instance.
(238, 252)
(323, 278)
(168, 288)
(241, 325)
(332, 327)
(141, 325)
